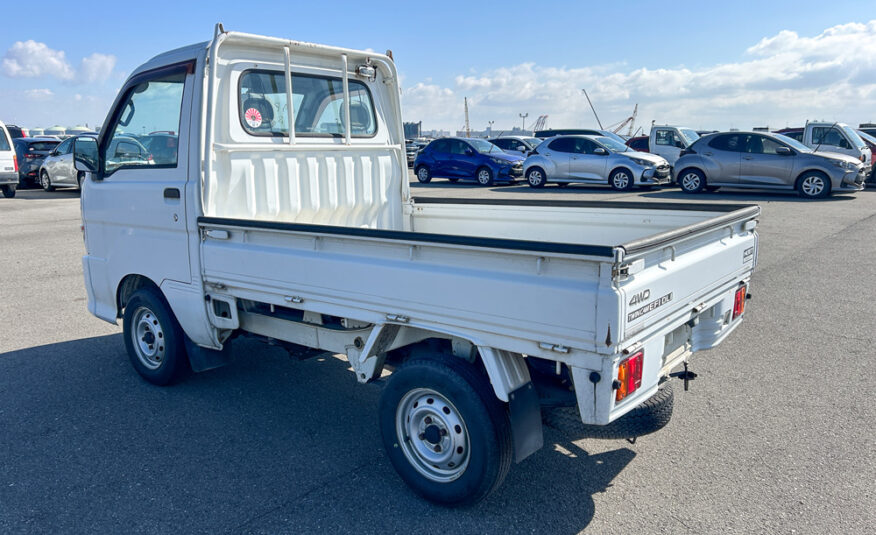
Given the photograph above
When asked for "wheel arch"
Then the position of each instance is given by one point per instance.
(127, 286)
(697, 168)
(805, 172)
(619, 167)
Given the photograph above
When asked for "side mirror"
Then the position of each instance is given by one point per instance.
(469, 152)
(85, 156)
(600, 151)
(679, 145)
(784, 151)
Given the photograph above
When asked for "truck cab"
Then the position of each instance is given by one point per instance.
(668, 141)
(835, 137)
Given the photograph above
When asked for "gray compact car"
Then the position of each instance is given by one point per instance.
(57, 170)
(765, 161)
(594, 160)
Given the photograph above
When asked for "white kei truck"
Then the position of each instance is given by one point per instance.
(278, 207)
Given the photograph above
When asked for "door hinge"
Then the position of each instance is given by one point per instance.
(558, 348)
(625, 270)
(398, 318)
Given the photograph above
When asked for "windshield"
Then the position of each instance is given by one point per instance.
(867, 137)
(853, 136)
(689, 135)
(532, 141)
(611, 144)
(483, 146)
(793, 143)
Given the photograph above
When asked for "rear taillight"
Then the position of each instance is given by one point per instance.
(31, 156)
(739, 302)
(15, 162)
(629, 375)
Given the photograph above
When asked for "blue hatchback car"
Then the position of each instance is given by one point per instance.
(457, 158)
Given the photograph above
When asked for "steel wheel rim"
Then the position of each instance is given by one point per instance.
(813, 185)
(690, 181)
(148, 337)
(621, 180)
(483, 176)
(423, 174)
(432, 435)
(535, 178)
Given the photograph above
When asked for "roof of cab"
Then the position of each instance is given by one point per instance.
(178, 55)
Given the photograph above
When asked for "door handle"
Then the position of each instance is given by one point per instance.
(171, 193)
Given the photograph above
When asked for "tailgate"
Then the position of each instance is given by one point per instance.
(677, 274)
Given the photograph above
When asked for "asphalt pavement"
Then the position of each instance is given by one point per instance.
(776, 435)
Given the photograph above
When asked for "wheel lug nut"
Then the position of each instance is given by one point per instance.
(422, 436)
(428, 420)
(437, 449)
(443, 432)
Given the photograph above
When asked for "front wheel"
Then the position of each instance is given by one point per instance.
(691, 181)
(485, 176)
(621, 180)
(445, 432)
(153, 338)
(536, 178)
(8, 190)
(423, 174)
(46, 182)
(813, 186)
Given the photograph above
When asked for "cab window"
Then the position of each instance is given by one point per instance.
(150, 106)
(317, 105)
(822, 135)
(665, 137)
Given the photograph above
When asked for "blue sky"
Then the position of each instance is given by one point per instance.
(675, 59)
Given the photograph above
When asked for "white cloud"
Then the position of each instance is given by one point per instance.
(32, 59)
(38, 94)
(782, 79)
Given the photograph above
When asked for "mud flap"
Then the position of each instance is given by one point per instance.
(526, 426)
(203, 359)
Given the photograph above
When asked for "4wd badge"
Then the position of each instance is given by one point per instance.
(640, 297)
(639, 312)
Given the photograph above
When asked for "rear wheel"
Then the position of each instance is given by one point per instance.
(45, 181)
(8, 190)
(691, 181)
(423, 174)
(445, 432)
(536, 178)
(813, 185)
(153, 338)
(485, 176)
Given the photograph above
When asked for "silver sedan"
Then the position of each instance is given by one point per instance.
(765, 161)
(594, 160)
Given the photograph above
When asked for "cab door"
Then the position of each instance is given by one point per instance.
(134, 209)
(667, 144)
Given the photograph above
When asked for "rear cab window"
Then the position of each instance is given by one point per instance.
(317, 102)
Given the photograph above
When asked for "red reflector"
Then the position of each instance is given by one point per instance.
(739, 302)
(15, 162)
(629, 375)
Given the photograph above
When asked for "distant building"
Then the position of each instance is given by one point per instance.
(761, 129)
(413, 130)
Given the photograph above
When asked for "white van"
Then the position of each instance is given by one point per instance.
(8, 164)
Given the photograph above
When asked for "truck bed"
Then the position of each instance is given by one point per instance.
(482, 268)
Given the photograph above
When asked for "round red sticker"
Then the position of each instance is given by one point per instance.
(253, 117)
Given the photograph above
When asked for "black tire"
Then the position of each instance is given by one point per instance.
(45, 181)
(148, 318)
(691, 181)
(536, 177)
(650, 416)
(484, 176)
(424, 175)
(621, 179)
(813, 185)
(8, 190)
(453, 180)
(485, 428)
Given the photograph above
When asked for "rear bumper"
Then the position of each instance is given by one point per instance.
(8, 177)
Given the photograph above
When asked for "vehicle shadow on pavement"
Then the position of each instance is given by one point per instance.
(743, 196)
(40, 194)
(266, 444)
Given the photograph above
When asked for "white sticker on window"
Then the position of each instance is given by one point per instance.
(253, 118)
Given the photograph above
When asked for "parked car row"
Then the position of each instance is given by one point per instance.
(47, 162)
(725, 159)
